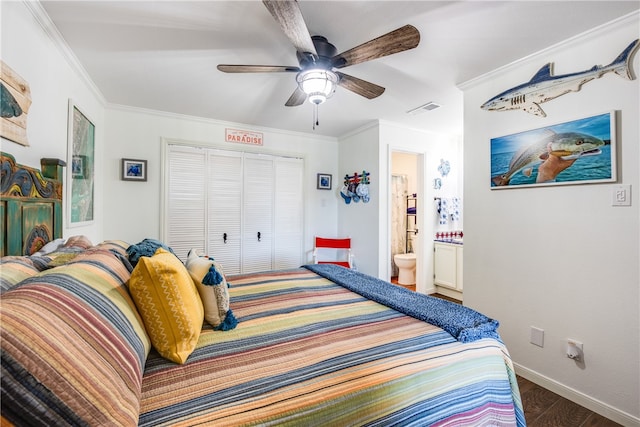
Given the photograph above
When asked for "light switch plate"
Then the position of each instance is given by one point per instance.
(621, 195)
(537, 336)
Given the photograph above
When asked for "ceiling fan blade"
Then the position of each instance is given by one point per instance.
(359, 86)
(256, 68)
(290, 18)
(297, 98)
(404, 38)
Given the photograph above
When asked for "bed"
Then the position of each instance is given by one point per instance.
(315, 345)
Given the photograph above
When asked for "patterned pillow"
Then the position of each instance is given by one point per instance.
(73, 346)
(147, 248)
(49, 247)
(63, 256)
(212, 286)
(116, 246)
(169, 304)
(78, 242)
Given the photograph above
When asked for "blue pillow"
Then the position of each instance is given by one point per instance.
(147, 247)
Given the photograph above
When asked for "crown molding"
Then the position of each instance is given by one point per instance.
(41, 16)
(594, 32)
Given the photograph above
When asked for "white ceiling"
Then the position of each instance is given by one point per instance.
(162, 55)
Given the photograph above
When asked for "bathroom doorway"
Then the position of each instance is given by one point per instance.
(405, 198)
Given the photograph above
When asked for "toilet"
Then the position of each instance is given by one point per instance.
(407, 268)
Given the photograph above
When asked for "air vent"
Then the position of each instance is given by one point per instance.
(426, 107)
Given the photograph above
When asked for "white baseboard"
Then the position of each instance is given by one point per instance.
(580, 398)
(449, 292)
(430, 290)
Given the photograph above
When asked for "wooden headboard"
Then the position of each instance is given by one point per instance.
(31, 207)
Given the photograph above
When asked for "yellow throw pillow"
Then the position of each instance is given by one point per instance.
(169, 304)
(212, 286)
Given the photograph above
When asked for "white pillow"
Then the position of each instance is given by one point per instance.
(49, 247)
(209, 279)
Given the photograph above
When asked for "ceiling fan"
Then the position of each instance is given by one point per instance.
(317, 74)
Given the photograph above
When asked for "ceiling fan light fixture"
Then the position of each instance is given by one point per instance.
(318, 84)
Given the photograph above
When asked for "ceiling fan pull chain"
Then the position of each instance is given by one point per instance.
(315, 116)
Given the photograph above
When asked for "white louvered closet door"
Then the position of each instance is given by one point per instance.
(186, 208)
(244, 210)
(288, 213)
(225, 209)
(258, 195)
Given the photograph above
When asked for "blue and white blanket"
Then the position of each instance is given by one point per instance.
(463, 323)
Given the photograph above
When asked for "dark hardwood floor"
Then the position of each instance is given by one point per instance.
(543, 408)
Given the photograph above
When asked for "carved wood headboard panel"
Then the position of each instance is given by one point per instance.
(31, 205)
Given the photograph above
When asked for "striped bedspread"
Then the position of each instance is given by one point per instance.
(308, 351)
(73, 346)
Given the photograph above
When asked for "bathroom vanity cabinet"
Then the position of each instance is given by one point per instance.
(447, 269)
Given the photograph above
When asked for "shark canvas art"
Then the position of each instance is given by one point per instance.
(544, 86)
(577, 152)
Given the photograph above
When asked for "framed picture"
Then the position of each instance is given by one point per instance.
(78, 169)
(81, 152)
(577, 152)
(134, 170)
(324, 181)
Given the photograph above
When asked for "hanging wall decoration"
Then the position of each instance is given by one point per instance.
(544, 86)
(324, 181)
(444, 168)
(577, 152)
(15, 103)
(356, 188)
(81, 152)
(133, 170)
(243, 136)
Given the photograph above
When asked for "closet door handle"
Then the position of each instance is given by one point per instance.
(224, 237)
(258, 236)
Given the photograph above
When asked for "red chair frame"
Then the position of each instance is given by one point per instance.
(337, 244)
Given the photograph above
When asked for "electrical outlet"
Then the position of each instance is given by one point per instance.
(621, 195)
(537, 336)
(574, 349)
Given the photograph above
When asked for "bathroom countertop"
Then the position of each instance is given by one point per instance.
(452, 241)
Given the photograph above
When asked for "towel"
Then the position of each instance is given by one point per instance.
(443, 211)
(448, 210)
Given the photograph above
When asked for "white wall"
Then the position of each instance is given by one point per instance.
(29, 47)
(561, 258)
(358, 152)
(132, 208)
(452, 183)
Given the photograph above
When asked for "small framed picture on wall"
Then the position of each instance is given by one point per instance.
(134, 170)
(78, 167)
(324, 181)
